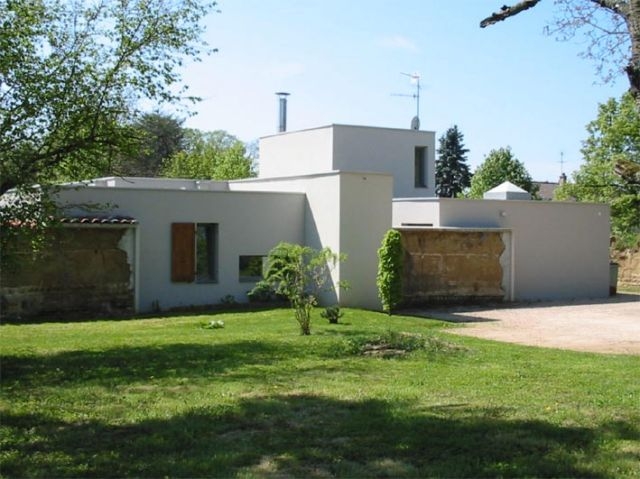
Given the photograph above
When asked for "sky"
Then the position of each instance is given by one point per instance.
(343, 62)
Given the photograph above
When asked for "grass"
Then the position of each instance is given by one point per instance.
(164, 397)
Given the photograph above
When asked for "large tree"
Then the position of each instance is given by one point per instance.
(213, 155)
(159, 136)
(452, 171)
(499, 166)
(611, 26)
(611, 169)
(72, 75)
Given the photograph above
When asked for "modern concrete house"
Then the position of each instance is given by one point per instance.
(189, 243)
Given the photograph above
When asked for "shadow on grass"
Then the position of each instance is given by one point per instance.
(124, 365)
(309, 436)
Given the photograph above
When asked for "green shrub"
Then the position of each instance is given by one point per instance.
(389, 278)
(300, 274)
(332, 313)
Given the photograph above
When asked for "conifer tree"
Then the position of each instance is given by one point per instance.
(452, 171)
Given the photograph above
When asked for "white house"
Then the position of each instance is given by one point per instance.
(192, 243)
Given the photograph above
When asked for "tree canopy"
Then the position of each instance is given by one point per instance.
(158, 136)
(611, 27)
(452, 171)
(215, 155)
(73, 74)
(610, 172)
(499, 166)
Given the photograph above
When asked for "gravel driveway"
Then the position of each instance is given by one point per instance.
(609, 325)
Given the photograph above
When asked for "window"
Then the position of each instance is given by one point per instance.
(194, 252)
(251, 268)
(420, 167)
(206, 253)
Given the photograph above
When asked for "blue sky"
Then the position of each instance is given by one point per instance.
(341, 60)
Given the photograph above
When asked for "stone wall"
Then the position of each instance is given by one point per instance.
(80, 271)
(629, 268)
(445, 266)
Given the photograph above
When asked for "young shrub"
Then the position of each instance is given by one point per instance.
(332, 313)
(300, 274)
(389, 279)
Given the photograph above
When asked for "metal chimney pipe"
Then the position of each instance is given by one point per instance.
(283, 111)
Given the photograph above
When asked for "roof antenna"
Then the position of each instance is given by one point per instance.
(415, 80)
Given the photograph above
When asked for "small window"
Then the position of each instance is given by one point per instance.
(251, 268)
(194, 252)
(206, 252)
(420, 170)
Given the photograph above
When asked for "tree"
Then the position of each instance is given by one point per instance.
(452, 171)
(160, 136)
(72, 75)
(300, 273)
(500, 166)
(610, 172)
(213, 155)
(612, 28)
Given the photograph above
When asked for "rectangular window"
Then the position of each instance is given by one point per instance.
(420, 167)
(194, 252)
(206, 252)
(251, 268)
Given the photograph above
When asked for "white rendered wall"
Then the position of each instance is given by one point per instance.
(296, 153)
(249, 223)
(347, 212)
(560, 250)
(351, 148)
(365, 216)
(409, 212)
(385, 150)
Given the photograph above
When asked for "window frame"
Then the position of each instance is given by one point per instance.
(420, 167)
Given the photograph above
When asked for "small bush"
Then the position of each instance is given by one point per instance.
(332, 313)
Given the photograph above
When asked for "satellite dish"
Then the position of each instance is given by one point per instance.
(415, 123)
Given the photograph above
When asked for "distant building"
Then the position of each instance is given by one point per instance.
(547, 189)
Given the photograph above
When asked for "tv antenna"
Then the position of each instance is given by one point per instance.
(562, 162)
(415, 80)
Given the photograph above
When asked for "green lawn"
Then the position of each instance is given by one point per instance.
(165, 397)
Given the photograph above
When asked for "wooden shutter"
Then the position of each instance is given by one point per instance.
(183, 252)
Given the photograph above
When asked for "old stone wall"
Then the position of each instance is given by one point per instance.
(79, 271)
(629, 268)
(444, 266)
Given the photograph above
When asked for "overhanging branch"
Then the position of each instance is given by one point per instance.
(506, 12)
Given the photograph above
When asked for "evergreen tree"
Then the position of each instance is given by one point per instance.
(452, 171)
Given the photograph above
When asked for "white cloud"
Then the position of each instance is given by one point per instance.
(398, 41)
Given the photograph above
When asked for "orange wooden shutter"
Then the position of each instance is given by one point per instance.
(183, 253)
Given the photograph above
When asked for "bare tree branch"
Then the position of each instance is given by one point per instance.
(506, 12)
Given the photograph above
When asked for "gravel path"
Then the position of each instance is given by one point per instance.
(610, 325)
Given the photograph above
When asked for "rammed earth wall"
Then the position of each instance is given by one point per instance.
(446, 266)
(629, 268)
(80, 271)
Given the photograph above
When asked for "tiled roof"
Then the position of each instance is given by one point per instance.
(99, 220)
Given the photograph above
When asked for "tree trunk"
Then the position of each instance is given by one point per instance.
(633, 68)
